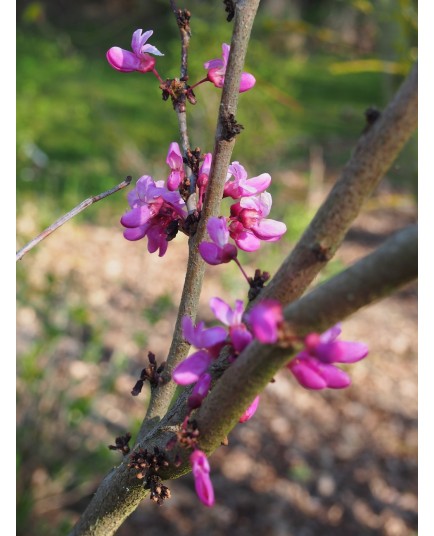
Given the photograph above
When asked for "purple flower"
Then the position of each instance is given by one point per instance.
(313, 366)
(250, 411)
(241, 186)
(200, 390)
(153, 209)
(248, 223)
(265, 319)
(211, 339)
(138, 60)
(217, 70)
(238, 332)
(218, 251)
(202, 481)
(191, 369)
(202, 179)
(175, 162)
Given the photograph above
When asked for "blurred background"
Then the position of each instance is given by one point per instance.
(91, 305)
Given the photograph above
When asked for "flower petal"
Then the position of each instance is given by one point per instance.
(221, 310)
(331, 334)
(264, 319)
(136, 217)
(202, 481)
(250, 411)
(212, 336)
(190, 370)
(349, 352)
(247, 241)
(247, 82)
(240, 337)
(218, 231)
(306, 372)
(334, 376)
(123, 60)
(136, 233)
(139, 39)
(210, 253)
(269, 230)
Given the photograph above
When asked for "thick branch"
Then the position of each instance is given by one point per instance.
(373, 155)
(365, 282)
(376, 276)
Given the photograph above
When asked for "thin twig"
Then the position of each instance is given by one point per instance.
(69, 215)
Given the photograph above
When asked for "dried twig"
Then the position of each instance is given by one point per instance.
(69, 215)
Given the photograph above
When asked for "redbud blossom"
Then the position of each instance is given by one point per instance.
(202, 481)
(210, 341)
(248, 224)
(138, 60)
(154, 208)
(191, 369)
(202, 179)
(241, 186)
(264, 319)
(313, 366)
(200, 390)
(250, 411)
(219, 250)
(238, 333)
(217, 70)
(175, 162)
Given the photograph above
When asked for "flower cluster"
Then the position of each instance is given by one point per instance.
(247, 224)
(313, 366)
(154, 211)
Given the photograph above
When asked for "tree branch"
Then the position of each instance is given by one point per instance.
(372, 157)
(69, 215)
(120, 493)
(161, 396)
(363, 283)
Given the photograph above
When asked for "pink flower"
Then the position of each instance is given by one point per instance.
(153, 210)
(175, 162)
(138, 60)
(200, 390)
(191, 369)
(248, 223)
(202, 179)
(264, 319)
(202, 481)
(219, 250)
(250, 411)
(217, 70)
(238, 332)
(313, 366)
(241, 186)
(209, 341)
